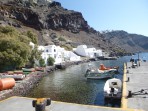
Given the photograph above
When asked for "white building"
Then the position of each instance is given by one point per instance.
(53, 51)
(82, 50)
(70, 56)
(59, 54)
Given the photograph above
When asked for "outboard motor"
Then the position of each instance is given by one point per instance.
(112, 91)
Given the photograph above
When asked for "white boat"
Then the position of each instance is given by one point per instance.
(99, 73)
(113, 88)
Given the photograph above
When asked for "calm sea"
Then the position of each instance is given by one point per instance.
(70, 85)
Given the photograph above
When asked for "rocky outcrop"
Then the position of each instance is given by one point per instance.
(52, 16)
(129, 42)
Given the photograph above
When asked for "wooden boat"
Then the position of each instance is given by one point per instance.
(113, 88)
(28, 69)
(15, 76)
(39, 69)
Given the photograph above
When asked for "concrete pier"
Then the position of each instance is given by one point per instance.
(135, 87)
(25, 104)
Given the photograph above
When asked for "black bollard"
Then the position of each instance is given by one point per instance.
(129, 94)
(41, 103)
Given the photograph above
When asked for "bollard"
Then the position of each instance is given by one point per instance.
(129, 94)
(127, 71)
(41, 103)
(128, 79)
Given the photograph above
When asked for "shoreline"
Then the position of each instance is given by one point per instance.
(24, 86)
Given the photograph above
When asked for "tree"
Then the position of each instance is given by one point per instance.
(50, 61)
(13, 54)
(35, 55)
(32, 36)
(42, 62)
(15, 51)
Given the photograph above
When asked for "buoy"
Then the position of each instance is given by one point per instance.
(6, 83)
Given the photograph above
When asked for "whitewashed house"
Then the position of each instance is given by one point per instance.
(83, 50)
(70, 56)
(53, 51)
(59, 54)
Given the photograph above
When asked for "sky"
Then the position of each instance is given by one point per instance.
(127, 15)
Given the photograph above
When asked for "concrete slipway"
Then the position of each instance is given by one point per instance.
(138, 80)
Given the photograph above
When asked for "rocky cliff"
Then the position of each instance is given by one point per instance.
(51, 16)
(129, 42)
(68, 25)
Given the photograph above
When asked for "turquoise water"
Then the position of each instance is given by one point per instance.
(70, 85)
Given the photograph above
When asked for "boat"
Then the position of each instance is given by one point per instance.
(40, 69)
(113, 69)
(100, 73)
(97, 74)
(28, 69)
(15, 76)
(113, 88)
(108, 58)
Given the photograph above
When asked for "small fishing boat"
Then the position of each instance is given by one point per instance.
(15, 76)
(113, 88)
(100, 73)
(40, 69)
(28, 69)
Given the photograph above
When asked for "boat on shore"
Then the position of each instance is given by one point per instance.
(28, 69)
(15, 76)
(113, 88)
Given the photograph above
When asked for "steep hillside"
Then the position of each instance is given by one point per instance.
(130, 42)
(56, 25)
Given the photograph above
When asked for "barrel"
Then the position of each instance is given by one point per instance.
(6, 83)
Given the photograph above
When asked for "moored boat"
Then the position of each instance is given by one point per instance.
(113, 88)
(100, 73)
(90, 74)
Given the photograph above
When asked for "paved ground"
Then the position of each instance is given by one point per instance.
(25, 104)
(138, 85)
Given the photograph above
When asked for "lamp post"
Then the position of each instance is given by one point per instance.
(138, 59)
(138, 56)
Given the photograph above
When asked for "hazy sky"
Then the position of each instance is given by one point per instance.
(127, 15)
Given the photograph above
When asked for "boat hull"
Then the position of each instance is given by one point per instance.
(114, 96)
(95, 75)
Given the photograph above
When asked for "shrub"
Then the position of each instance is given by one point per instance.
(62, 39)
(42, 62)
(50, 61)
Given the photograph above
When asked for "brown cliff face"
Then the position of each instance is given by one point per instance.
(46, 17)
